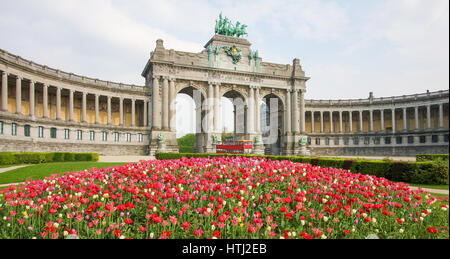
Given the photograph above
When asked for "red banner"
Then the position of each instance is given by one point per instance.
(234, 147)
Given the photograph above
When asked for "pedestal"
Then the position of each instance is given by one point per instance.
(170, 145)
(161, 148)
(258, 146)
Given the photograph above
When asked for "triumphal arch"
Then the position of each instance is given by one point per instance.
(228, 67)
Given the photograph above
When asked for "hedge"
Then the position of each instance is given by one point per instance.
(11, 158)
(429, 172)
(431, 157)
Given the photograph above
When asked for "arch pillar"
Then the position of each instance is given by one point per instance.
(298, 123)
(163, 115)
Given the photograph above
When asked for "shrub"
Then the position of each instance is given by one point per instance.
(331, 162)
(28, 158)
(48, 157)
(58, 157)
(430, 173)
(348, 164)
(372, 167)
(6, 158)
(69, 156)
(299, 159)
(400, 171)
(9, 158)
(432, 157)
(186, 149)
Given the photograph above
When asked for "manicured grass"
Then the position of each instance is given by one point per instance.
(40, 171)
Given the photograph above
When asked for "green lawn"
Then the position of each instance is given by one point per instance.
(40, 171)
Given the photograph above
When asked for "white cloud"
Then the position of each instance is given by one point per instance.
(105, 21)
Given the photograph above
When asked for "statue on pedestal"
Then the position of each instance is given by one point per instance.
(161, 143)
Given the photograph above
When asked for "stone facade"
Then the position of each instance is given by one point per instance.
(213, 74)
(44, 109)
(403, 125)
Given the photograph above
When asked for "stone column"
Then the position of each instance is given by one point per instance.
(258, 111)
(198, 120)
(350, 118)
(165, 103)
(321, 121)
(393, 121)
(121, 110)
(19, 95)
(133, 112)
(32, 98)
(145, 107)
(71, 105)
(331, 122)
(296, 114)
(109, 110)
(416, 117)
(340, 122)
(172, 105)
(288, 112)
(149, 114)
(360, 121)
(405, 125)
(210, 111)
(97, 117)
(370, 120)
(302, 112)
(4, 91)
(313, 128)
(83, 107)
(441, 115)
(58, 103)
(156, 103)
(428, 116)
(250, 111)
(382, 120)
(217, 109)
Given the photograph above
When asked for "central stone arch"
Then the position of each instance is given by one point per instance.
(198, 95)
(274, 124)
(240, 107)
(241, 77)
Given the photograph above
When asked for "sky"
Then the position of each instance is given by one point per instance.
(348, 47)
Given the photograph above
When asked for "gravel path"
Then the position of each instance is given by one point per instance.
(430, 190)
(6, 169)
(394, 158)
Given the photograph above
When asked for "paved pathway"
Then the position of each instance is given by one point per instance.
(430, 190)
(395, 158)
(6, 169)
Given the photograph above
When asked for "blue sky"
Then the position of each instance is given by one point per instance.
(349, 47)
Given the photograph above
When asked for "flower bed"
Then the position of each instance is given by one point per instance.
(232, 197)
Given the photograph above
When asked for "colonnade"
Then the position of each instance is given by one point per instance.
(408, 118)
(32, 85)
